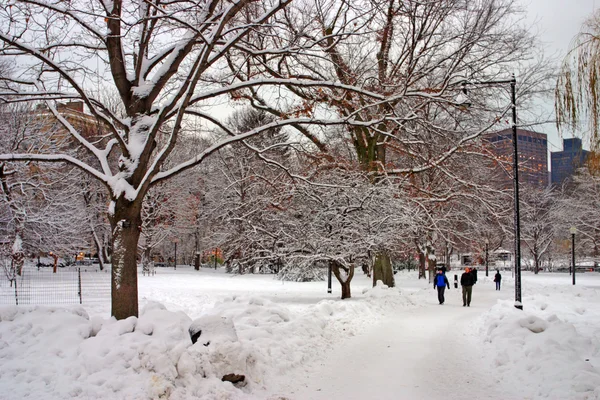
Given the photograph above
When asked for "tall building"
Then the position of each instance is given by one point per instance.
(566, 162)
(533, 155)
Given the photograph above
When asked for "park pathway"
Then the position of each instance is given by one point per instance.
(430, 353)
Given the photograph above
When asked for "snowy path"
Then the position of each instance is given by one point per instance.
(402, 357)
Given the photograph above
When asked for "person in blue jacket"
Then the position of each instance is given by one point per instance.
(441, 282)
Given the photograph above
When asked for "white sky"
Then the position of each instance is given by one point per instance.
(557, 22)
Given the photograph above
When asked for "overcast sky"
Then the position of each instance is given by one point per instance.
(557, 22)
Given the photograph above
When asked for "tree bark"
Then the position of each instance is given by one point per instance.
(125, 225)
(17, 255)
(431, 262)
(146, 260)
(422, 266)
(382, 269)
(99, 248)
(55, 257)
(335, 267)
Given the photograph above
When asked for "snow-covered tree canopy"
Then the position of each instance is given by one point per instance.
(167, 61)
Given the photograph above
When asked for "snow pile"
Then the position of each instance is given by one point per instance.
(57, 353)
(551, 349)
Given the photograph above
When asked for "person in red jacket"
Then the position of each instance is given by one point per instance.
(440, 281)
(467, 281)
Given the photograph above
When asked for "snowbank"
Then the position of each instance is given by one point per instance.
(551, 349)
(57, 353)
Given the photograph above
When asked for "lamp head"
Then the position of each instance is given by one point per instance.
(573, 230)
(462, 100)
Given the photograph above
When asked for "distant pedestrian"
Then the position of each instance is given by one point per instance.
(474, 273)
(467, 281)
(440, 281)
(497, 279)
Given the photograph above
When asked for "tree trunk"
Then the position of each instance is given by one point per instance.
(422, 266)
(146, 260)
(17, 255)
(536, 261)
(126, 225)
(382, 269)
(99, 248)
(431, 262)
(55, 263)
(344, 281)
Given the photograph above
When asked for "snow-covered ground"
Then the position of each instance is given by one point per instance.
(294, 341)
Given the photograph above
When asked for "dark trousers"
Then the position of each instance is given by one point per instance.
(441, 294)
(498, 285)
(467, 290)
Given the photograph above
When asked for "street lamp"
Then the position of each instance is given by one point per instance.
(486, 257)
(175, 241)
(329, 278)
(517, 218)
(573, 231)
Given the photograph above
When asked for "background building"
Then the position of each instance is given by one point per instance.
(533, 155)
(566, 162)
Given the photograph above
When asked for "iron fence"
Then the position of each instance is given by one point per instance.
(41, 286)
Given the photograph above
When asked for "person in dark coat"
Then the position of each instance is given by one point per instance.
(497, 279)
(467, 282)
(441, 282)
(474, 272)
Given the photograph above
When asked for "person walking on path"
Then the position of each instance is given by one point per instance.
(474, 272)
(440, 281)
(497, 279)
(467, 281)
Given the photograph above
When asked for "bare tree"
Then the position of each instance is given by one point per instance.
(165, 59)
(578, 206)
(41, 203)
(539, 214)
(341, 219)
(419, 55)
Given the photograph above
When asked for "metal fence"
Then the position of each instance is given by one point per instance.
(40, 286)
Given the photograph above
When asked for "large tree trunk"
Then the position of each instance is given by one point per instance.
(382, 269)
(126, 225)
(536, 261)
(344, 279)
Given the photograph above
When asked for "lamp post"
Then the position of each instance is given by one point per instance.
(329, 278)
(573, 231)
(175, 241)
(486, 257)
(517, 218)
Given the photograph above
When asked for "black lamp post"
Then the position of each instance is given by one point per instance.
(517, 219)
(573, 231)
(175, 241)
(486, 258)
(329, 278)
